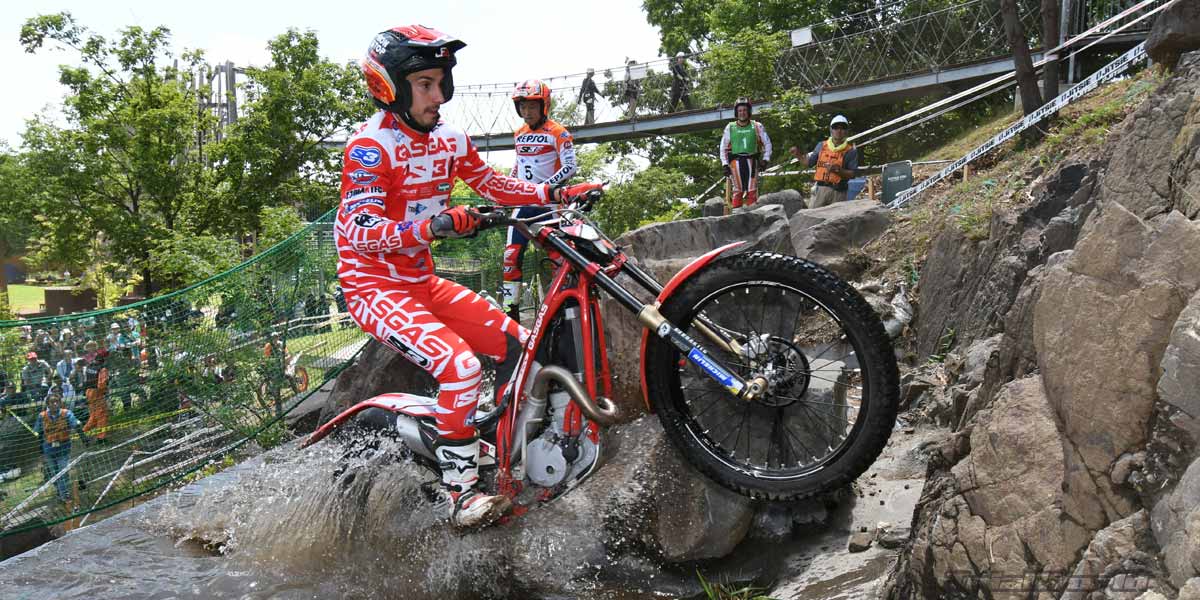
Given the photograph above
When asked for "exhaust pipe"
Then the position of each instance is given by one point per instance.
(601, 410)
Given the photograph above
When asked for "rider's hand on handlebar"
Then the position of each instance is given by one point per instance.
(455, 222)
(567, 193)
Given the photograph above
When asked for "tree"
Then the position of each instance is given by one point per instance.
(1031, 98)
(125, 163)
(274, 155)
(16, 211)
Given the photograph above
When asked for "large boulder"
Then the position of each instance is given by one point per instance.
(713, 207)
(968, 286)
(1180, 380)
(1001, 513)
(792, 201)
(1176, 526)
(1101, 328)
(1157, 148)
(377, 370)
(663, 249)
(830, 235)
(1175, 31)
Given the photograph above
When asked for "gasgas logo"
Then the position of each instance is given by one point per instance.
(417, 149)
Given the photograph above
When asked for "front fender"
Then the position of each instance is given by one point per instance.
(667, 291)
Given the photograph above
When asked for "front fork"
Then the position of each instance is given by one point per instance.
(653, 320)
(741, 388)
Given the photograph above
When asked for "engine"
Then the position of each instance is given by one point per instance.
(553, 458)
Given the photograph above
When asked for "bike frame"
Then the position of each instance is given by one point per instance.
(580, 278)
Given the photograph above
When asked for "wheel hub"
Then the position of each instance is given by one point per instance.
(785, 369)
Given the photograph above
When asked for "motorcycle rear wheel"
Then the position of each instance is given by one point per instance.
(833, 383)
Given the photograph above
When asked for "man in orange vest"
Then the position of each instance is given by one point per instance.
(96, 392)
(54, 424)
(836, 161)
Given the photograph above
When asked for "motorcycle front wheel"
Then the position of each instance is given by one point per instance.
(832, 382)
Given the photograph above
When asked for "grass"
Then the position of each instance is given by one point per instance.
(720, 591)
(24, 298)
(999, 179)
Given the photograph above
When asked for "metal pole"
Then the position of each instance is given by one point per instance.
(231, 91)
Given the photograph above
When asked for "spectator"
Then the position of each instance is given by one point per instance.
(633, 88)
(681, 83)
(43, 345)
(5, 383)
(587, 95)
(64, 367)
(90, 349)
(836, 161)
(66, 340)
(65, 389)
(95, 389)
(745, 149)
(54, 425)
(114, 341)
(35, 377)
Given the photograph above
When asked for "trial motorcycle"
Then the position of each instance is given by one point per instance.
(772, 376)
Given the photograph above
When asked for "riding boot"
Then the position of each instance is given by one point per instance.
(469, 507)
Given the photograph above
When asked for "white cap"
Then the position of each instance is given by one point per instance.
(678, 55)
(840, 119)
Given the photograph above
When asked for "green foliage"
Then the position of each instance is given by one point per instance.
(718, 591)
(743, 66)
(273, 155)
(278, 222)
(649, 196)
(184, 258)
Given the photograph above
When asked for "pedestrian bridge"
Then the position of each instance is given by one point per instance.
(899, 50)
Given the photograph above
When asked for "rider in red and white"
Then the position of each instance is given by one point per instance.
(398, 170)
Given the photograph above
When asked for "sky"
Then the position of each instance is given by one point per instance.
(506, 41)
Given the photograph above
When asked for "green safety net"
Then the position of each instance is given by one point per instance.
(191, 381)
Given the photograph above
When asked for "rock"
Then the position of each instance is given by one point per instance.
(1147, 595)
(1110, 306)
(1181, 370)
(1175, 522)
(713, 207)
(377, 370)
(969, 286)
(828, 235)
(663, 249)
(1125, 465)
(1109, 546)
(1190, 590)
(791, 201)
(860, 541)
(1163, 132)
(893, 537)
(1175, 31)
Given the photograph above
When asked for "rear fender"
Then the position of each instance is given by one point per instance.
(405, 404)
(667, 291)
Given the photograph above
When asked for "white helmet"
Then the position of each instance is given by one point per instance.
(679, 55)
(840, 119)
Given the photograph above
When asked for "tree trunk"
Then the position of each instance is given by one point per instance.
(1050, 33)
(1031, 98)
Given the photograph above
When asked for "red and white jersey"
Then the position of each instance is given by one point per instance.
(394, 180)
(545, 154)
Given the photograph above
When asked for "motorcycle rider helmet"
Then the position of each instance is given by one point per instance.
(532, 89)
(743, 101)
(399, 51)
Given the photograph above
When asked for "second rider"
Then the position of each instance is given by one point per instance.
(545, 154)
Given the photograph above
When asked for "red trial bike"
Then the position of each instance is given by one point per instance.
(772, 376)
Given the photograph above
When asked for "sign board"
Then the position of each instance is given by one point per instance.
(802, 36)
(897, 177)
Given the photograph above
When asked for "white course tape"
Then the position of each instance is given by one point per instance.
(1110, 70)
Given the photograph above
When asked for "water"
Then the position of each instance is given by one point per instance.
(289, 525)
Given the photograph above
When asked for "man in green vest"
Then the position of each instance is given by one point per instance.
(745, 149)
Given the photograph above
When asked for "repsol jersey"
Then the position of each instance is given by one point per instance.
(545, 154)
(394, 180)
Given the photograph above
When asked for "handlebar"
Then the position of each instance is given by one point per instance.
(492, 216)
